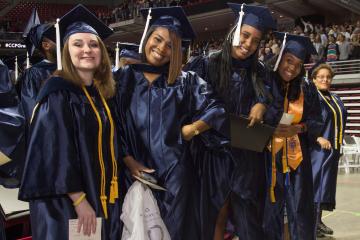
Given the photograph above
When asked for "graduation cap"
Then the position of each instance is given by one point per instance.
(126, 50)
(172, 18)
(129, 50)
(35, 36)
(77, 20)
(299, 46)
(256, 16)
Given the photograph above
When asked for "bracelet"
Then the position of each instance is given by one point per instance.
(196, 131)
(79, 200)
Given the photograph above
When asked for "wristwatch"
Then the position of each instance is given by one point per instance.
(196, 131)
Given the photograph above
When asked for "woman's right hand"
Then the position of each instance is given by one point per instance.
(324, 143)
(136, 167)
(86, 217)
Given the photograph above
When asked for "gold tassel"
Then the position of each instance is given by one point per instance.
(113, 190)
(272, 195)
(104, 206)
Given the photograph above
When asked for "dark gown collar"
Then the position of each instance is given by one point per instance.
(162, 70)
(325, 93)
(236, 63)
(142, 67)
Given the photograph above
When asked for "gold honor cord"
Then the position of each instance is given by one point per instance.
(337, 139)
(113, 194)
(341, 120)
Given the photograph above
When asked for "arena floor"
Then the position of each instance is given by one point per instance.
(345, 220)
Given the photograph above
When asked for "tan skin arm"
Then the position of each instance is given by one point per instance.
(85, 213)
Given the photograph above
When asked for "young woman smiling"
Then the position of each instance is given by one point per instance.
(163, 108)
(71, 165)
(237, 77)
(290, 175)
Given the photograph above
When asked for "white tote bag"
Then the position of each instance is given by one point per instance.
(141, 215)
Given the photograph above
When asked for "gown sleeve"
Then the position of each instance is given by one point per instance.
(29, 90)
(275, 109)
(124, 80)
(12, 125)
(52, 166)
(204, 105)
(312, 108)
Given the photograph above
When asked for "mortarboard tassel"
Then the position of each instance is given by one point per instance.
(236, 39)
(117, 56)
(27, 60)
(189, 53)
(58, 45)
(16, 69)
(145, 30)
(281, 53)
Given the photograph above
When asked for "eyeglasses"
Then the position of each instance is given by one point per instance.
(324, 78)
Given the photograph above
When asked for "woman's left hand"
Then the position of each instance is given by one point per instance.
(188, 132)
(256, 114)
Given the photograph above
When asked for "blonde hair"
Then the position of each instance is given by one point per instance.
(103, 79)
(322, 66)
(175, 57)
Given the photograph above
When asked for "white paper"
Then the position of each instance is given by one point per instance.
(74, 235)
(3, 158)
(9, 201)
(287, 118)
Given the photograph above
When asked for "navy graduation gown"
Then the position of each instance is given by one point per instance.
(327, 187)
(154, 115)
(12, 125)
(62, 158)
(248, 175)
(31, 82)
(298, 194)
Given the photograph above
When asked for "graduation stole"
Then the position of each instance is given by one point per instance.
(292, 154)
(114, 181)
(338, 134)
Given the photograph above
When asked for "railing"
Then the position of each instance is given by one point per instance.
(341, 67)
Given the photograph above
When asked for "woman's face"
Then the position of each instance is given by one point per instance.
(250, 38)
(323, 79)
(85, 51)
(289, 67)
(158, 47)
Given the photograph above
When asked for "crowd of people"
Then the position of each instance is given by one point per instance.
(334, 42)
(91, 129)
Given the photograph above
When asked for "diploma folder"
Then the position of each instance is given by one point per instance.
(253, 138)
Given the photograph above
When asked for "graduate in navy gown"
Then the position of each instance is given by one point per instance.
(237, 77)
(33, 78)
(71, 169)
(324, 166)
(12, 128)
(289, 164)
(164, 109)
